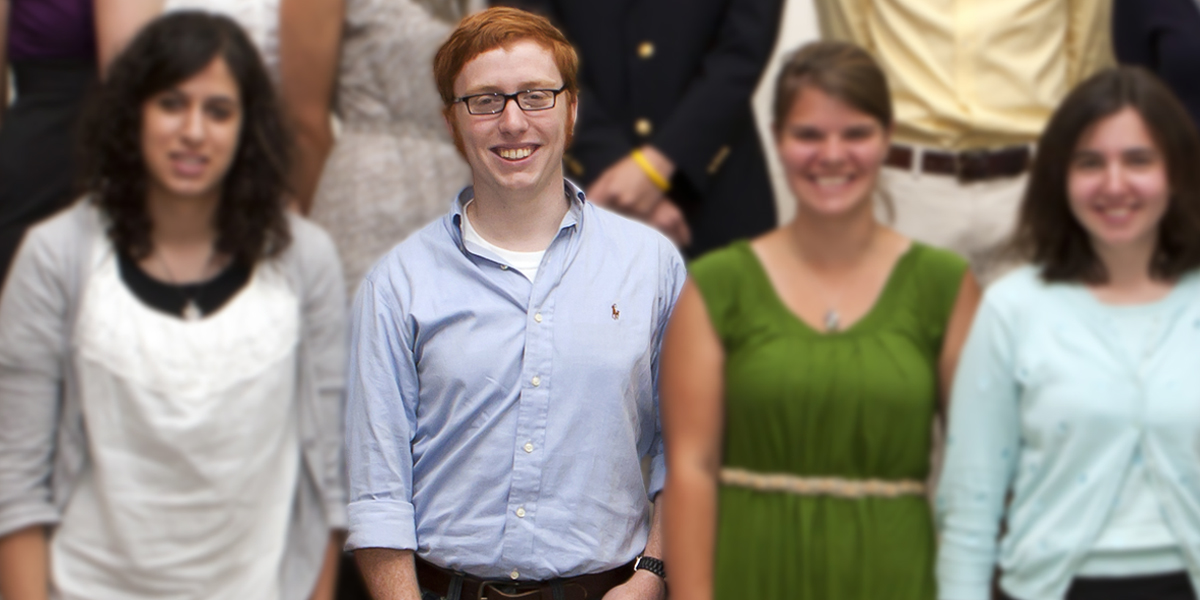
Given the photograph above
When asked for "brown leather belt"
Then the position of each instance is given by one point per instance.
(583, 587)
(968, 166)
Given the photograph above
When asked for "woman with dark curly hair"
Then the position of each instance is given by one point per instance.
(171, 350)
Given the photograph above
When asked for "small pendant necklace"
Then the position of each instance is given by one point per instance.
(832, 320)
(191, 310)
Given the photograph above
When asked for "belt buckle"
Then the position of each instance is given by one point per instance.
(971, 165)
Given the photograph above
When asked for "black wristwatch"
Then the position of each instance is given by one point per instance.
(649, 563)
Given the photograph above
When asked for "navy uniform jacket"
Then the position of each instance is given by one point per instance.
(677, 74)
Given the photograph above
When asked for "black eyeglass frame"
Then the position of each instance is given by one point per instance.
(515, 97)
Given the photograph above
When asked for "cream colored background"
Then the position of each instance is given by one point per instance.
(799, 26)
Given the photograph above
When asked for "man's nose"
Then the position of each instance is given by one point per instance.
(512, 117)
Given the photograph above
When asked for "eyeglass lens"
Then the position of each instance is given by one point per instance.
(487, 104)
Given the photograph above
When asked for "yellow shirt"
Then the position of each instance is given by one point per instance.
(969, 74)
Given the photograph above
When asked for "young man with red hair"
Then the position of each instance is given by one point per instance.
(504, 359)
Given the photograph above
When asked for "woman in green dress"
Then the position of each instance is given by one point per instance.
(802, 371)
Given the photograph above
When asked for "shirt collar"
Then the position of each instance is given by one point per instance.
(573, 218)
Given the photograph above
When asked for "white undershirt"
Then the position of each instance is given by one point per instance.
(193, 446)
(525, 263)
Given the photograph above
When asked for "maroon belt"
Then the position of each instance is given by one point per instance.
(583, 587)
(968, 166)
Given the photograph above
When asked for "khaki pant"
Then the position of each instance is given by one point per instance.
(975, 219)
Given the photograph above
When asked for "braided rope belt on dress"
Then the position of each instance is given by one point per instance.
(820, 486)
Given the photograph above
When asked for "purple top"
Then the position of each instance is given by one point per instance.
(51, 29)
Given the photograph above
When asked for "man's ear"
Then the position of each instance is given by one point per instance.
(574, 112)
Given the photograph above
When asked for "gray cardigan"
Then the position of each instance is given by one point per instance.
(43, 439)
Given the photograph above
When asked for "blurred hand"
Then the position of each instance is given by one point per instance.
(668, 219)
(642, 586)
(625, 187)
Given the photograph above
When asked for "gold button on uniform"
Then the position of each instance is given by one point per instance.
(643, 127)
(528, 447)
(514, 574)
(646, 50)
(520, 513)
(536, 381)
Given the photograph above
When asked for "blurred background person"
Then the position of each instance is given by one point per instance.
(973, 84)
(118, 21)
(801, 371)
(394, 167)
(171, 350)
(666, 133)
(1077, 392)
(50, 47)
(1163, 36)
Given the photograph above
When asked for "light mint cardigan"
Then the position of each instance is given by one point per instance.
(43, 439)
(1047, 403)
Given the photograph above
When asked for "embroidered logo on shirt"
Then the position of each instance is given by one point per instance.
(616, 313)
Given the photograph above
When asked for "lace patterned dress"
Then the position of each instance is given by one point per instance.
(394, 167)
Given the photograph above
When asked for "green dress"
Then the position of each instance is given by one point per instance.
(856, 404)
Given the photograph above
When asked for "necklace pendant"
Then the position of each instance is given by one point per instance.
(191, 312)
(832, 320)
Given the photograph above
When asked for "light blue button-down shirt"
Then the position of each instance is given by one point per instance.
(496, 425)
(1052, 399)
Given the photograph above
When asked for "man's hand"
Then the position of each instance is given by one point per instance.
(644, 585)
(668, 219)
(625, 187)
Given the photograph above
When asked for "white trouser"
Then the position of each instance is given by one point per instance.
(974, 219)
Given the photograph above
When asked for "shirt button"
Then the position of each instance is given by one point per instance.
(536, 381)
(643, 127)
(528, 447)
(521, 513)
(514, 574)
(645, 50)
(537, 317)
(504, 268)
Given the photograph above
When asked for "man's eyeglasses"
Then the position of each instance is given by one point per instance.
(527, 100)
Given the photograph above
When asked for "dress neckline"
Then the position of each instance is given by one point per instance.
(863, 324)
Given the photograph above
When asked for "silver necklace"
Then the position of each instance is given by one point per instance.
(832, 320)
(191, 310)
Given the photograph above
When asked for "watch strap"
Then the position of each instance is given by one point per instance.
(649, 563)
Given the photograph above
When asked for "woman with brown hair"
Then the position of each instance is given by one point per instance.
(172, 350)
(1076, 414)
(802, 370)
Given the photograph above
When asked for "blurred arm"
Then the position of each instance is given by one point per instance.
(390, 574)
(959, 326)
(310, 32)
(33, 317)
(984, 417)
(117, 22)
(327, 580)
(717, 102)
(24, 573)
(693, 387)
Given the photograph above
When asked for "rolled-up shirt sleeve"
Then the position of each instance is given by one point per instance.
(982, 446)
(380, 421)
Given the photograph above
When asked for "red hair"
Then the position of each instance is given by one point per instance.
(500, 27)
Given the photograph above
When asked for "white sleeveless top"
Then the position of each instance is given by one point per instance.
(192, 434)
(260, 19)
